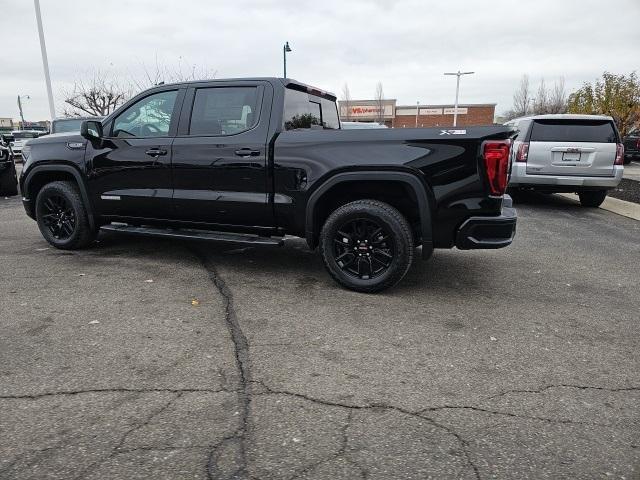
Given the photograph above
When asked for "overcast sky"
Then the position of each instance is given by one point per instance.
(406, 45)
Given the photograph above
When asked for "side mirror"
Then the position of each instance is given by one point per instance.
(91, 130)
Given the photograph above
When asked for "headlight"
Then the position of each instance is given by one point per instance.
(26, 150)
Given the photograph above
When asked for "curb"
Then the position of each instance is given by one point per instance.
(614, 205)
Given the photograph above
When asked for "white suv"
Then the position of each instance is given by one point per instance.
(567, 153)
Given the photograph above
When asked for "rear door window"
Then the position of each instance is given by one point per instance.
(304, 110)
(224, 110)
(592, 131)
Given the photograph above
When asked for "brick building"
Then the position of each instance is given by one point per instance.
(404, 116)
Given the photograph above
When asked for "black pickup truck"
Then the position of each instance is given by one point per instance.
(253, 160)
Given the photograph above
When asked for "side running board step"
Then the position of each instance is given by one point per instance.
(193, 234)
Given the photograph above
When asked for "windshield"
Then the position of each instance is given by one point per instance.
(69, 125)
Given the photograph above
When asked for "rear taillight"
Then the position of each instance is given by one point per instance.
(619, 155)
(495, 154)
(523, 152)
(638, 143)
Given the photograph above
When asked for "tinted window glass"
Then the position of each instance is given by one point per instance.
(329, 114)
(224, 110)
(149, 117)
(598, 131)
(303, 110)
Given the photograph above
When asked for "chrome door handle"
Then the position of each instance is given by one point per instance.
(156, 152)
(247, 152)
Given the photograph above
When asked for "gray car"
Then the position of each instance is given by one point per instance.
(567, 153)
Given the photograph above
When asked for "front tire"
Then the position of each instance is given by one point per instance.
(62, 216)
(367, 246)
(592, 199)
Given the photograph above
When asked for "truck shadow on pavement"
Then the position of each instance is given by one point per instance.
(294, 264)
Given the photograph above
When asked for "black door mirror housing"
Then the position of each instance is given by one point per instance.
(91, 130)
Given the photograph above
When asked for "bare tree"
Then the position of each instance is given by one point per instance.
(161, 73)
(558, 97)
(379, 98)
(541, 103)
(346, 101)
(97, 95)
(522, 98)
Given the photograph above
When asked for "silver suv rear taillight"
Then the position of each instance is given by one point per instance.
(619, 155)
(523, 152)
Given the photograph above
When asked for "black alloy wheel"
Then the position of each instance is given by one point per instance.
(367, 245)
(62, 216)
(59, 217)
(363, 248)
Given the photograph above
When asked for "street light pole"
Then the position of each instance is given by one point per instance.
(285, 48)
(45, 62)
(20, 109)
(455, 107)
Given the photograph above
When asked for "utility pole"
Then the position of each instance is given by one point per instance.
(455, 107)
(20, 109)
(285, 48)
(45, 62)
(417, 112)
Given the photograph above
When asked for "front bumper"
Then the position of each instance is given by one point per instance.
(489, 232)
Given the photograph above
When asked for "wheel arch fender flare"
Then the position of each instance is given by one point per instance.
(423, 194)
(77, 175)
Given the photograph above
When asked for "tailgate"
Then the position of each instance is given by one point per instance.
(572, 147)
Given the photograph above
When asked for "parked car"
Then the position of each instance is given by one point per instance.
(251, 160)
(631, 146)
(361, 125)
(20, 137)
(69, 124)
(8, 178)
(567, 153)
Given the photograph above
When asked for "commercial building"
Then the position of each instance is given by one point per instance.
(7, 125)
(410, 116)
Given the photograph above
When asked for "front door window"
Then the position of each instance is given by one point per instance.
(149, 117)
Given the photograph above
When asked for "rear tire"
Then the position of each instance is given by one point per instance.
(592, 199)
(626, 161)
(62, 216)
(9, 181)
(367, 246)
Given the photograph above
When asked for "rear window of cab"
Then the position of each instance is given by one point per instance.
(303, 110)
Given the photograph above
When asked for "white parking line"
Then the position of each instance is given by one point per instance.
(615, 205)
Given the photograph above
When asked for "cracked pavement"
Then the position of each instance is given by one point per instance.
(145, 358)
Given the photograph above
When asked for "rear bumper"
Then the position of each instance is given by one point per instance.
(488, 232)
(520, 178)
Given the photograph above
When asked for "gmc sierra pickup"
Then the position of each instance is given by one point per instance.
(253, 160)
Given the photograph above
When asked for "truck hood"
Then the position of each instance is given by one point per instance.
(63, 137)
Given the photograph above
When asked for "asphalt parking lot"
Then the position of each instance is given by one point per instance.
(143, 358)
